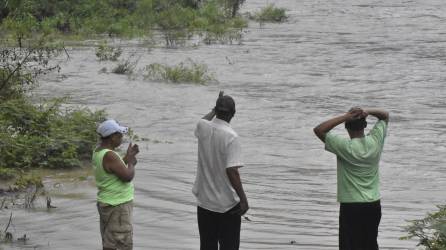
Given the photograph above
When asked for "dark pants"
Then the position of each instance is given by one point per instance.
(358, 225)
(219, 229)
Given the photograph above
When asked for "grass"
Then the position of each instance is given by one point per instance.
(184, 72)
(270, 13)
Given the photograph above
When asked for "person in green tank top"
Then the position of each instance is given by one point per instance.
(357, 175)
(114, 176)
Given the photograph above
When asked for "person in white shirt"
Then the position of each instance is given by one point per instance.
(221, 200)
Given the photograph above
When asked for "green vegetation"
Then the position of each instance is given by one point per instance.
(270, 13)
(430, 231)
(213, 24)
(45, 135)
(25, 181)
(125, 67)
(184, 72)
(19, 67)
(176, 24)
(82, 17)
(107, 53)
(38, 135)
(177, 20)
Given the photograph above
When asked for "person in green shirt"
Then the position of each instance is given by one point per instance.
(357, 175)
(114, 176)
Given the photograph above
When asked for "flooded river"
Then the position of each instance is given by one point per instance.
(285, 78)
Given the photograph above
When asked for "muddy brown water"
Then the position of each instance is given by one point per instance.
(285, 78)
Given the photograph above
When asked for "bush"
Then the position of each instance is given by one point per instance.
(107, 53)
(188, 71)
(45, 135)
(25, 181)
(430, 231)
(270, 13)
(34, 135)
(214, 26)
(175, 23)
(125, 67)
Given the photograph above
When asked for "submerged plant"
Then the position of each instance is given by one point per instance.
(104, 52)
(270, 13)
(430, 231)
(188, 72)
(126, 67)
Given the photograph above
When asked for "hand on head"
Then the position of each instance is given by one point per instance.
(356, 113)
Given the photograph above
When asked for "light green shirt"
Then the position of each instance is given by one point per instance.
(111, 190)
(358, 164)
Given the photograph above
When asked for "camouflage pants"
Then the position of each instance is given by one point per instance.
(116, 225)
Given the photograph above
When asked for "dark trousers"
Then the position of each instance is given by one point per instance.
(219, 229)
(358, 226)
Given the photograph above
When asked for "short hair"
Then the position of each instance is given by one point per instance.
(225, 106)
(356, 125)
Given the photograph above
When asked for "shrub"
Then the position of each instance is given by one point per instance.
(188, 71)
(45, 135)
(125, 67)
(24, 181)
(34, 135)
(175, 23)
(214, 26)
(107, 53)
(430, 231)
(270, 13)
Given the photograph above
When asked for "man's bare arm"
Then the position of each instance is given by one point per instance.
(209, 116)
(378, 113)
(234, 178)
(322, 129)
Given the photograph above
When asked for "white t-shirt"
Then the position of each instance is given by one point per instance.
(218, 149)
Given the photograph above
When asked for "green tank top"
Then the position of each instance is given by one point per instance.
(111, 190)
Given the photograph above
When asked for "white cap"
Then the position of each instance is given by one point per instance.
(109, 127)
